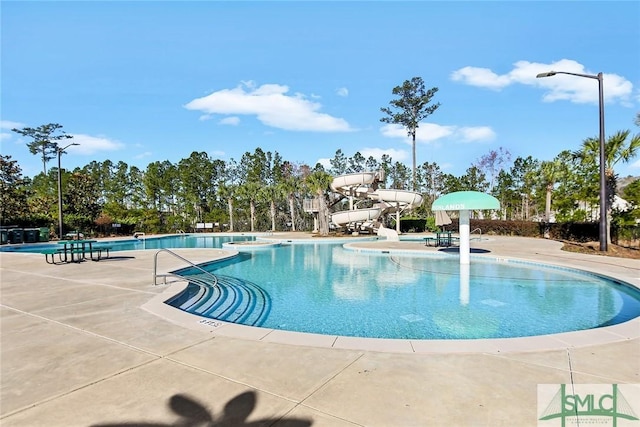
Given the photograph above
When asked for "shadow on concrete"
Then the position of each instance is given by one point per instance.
(116, 258)
(455, 250)
(192, 413)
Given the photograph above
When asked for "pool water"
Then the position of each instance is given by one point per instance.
(166, 242)
(326, 289)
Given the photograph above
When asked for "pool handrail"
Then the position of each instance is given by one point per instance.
(477, 229)
(155, 268)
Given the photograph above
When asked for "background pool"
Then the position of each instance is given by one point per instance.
(143, 243)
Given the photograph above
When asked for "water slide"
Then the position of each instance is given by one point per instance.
(362, 186)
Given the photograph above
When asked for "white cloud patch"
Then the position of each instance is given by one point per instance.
(377, 153)
(325, 162)
(559, 87)
(232, 121)
(431, 132)
(217, 153)
(272, 106)
(481, 77)
(343, 91)
(473, 134)
(92, 144)
(6, 124)
(143, 155)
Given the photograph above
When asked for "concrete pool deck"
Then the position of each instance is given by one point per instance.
(87, 344)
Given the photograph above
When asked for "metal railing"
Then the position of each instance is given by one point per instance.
(165, 275)
(477, 229)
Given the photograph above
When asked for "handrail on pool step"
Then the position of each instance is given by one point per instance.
(155, 268)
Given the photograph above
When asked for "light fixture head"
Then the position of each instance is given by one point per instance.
(547, 74)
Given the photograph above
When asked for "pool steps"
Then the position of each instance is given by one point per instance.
(228, 299)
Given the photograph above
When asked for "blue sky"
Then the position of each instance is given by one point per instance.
(152, 81)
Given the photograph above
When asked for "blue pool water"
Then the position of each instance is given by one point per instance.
(327, 289)
(168, 242)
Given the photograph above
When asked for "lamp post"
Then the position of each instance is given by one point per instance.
(603, 180)
(60, 152)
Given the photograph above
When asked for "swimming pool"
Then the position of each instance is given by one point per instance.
(164, 242)
(324, 288)
(327, 289)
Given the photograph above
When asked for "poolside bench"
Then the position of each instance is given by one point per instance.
(99, 250)
(429, 240)
(52, 253)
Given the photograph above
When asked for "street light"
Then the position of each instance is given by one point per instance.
(60, 152)
(603, 180)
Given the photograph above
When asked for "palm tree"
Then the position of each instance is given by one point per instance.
(271, 194)
(249, 191)
(228, 192)
(290, 187)
(550, 173)
(318, 183)
(617, 149)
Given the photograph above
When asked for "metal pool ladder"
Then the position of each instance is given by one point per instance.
(164, 276)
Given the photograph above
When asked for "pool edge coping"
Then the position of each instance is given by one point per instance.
(591, 337)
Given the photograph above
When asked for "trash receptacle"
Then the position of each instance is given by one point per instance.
(16, 235)
(44, 234)
(4, 237)
(30, 235)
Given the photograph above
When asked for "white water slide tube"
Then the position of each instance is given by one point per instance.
(356, 215)
(342, 184)
(400, 196)
(345, 183)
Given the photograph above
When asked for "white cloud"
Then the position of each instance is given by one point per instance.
(6, 124)
(473, 134)
(377, 153)
(87, 144)
(272, 106)
(428, 132)
(325, 162)
(92, 144)
(446, 166)
(218, 153)
(482, 77)
(559, 87)
(343, 91)
(143, 155)
(233, 121)
(431, 132)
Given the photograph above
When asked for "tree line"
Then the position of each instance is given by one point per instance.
(262, 191)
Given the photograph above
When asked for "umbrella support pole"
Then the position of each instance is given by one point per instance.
(464, 237)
